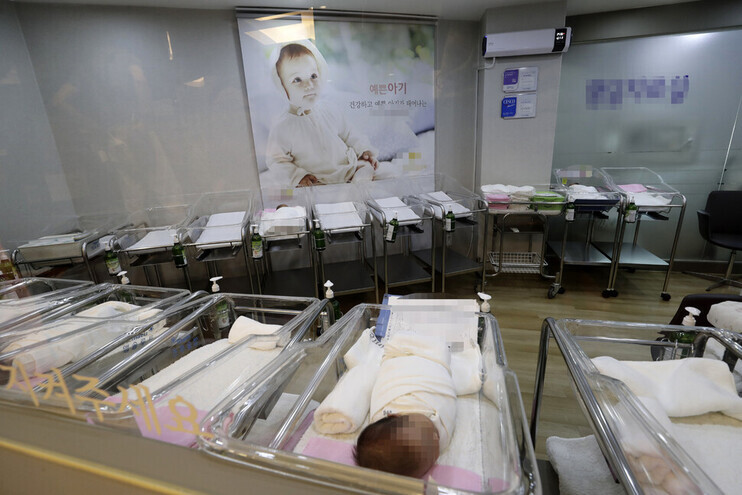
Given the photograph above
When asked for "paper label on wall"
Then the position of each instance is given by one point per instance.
(518, 106)
(520, 79)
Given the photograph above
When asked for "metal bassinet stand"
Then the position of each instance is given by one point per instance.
(613, 412)
(655, 190)
(443, 193)
(529, 217)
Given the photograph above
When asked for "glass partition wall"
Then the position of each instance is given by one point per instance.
(667, 103)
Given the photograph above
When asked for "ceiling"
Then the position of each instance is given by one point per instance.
(470, 10)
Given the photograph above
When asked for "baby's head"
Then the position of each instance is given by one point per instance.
(400, 444)
(300, 74)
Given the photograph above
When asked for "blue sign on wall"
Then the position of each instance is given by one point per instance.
(508, 107)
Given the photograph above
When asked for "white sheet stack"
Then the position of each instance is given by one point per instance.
(336, 216)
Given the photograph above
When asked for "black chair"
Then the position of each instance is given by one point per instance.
(721, 225)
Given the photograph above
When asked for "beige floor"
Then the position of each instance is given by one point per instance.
(520, 305)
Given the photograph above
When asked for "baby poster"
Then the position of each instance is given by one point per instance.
(334, 101)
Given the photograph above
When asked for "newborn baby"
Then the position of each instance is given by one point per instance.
(413, 406)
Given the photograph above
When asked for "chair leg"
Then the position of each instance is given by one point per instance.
(727, 279)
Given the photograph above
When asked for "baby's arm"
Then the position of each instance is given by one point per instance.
(281, 162)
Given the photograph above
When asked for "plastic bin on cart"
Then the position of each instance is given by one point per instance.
(546, 199)
(267, 423)
(29, 298)
(649, 192)
(632, 440)
(130, 353)
(98, 303)
(70, 240)
(218, 226)
(589, 187)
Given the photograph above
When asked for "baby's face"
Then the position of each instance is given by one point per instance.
(420, 431)
(300, 79)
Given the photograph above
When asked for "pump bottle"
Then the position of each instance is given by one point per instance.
(329, 294)
(391, 229)
(450, 221)
(222, 307)
(125, 295)
(631, 210)
(319, 236)
(484, 308)
(179, 257)
(569, 210)
(112, 261)
(256, 243)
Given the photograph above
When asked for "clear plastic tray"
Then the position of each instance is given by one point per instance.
(118, 367)
(384, 197)
(338, 207)
(631, 438)
(544, 199)
(151, 230)
(71, 238)
(27, 299)
(265, 422)
(289, 224)
(443, 192)
(219, 220)
(589, 187)
(645, 187)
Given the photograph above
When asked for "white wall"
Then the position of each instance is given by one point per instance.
(33, 189)
(519, 151)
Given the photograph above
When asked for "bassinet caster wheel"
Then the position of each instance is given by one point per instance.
(609, 293)
(553, 290)
(666, 296)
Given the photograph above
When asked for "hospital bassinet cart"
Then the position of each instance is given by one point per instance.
(266, 422)
(617, 418)
(655, 200)
(520, 211)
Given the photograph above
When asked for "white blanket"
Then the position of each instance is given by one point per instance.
(367, 349)
(459, 210)
(726, 315)
(579, 191)
(109, 309)
(334, 216)
(683, 387)
(581, 467)
(283, 221)
(244, 327)
(222, 229)
(154, 239)
(715, 350)
(645, 200)
(415, 377)
(466, 370)
(405, 214)
(346, 407)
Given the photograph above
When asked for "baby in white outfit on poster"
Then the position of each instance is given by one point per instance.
(310, 143)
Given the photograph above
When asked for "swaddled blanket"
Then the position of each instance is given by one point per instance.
(283, 221)
(670, 382)
(415, 377)
(244, 327)
(346, 407)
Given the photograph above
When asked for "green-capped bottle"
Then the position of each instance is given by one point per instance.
(569, 210)
(319, 236)
(179, 256)
(256, 243)
(450, 221)
(112, 261)
(222, 307)
(329, 294)
(7, 270)
(126, 296)
(391, 229)
(631, 211)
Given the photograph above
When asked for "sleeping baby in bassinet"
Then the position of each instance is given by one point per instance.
(408, 390)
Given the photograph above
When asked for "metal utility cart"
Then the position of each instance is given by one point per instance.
(148, 239)
(266, 423)
(218, 230)
(654, 200)
(283, 226)
(519, 211)
(69, 241)
(458, 249)
(344, 224)
(620, 422)
(384, 198)
(593, 197)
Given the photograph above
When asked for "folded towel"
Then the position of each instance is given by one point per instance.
(367, 349)
(390, 202)
(647, 199)
(346, 407)
(466, 370)
(726, 315)
(633, 188)
(244, 327)
(330, 208)
(228, 218)
(684, 387)
(222, 229)
(409, 383)
(715, 350)
(716, 449)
